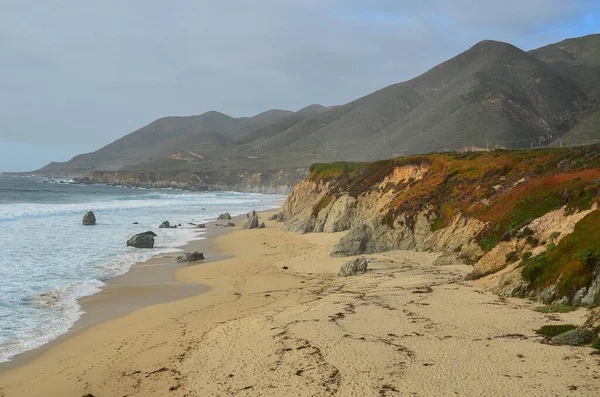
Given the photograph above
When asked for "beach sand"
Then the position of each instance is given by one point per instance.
(277, 321)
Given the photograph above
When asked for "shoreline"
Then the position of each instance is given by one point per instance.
(145, 283)
(278, 321)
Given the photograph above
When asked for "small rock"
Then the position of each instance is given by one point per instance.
(167, 225)
(262, 225)
(191, 257)
(135, 223)
(230, 224)
(89, 219)
(224, 216)
(201, 226)
(285, 267)
(353, 267)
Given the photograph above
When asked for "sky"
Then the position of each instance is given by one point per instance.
(76, 75)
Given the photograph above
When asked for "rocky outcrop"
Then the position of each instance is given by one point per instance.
(191, 257)
(251, 222)
(142, 240)
(225, 216)
(89, 219)
(506, 213)
(351, 268)
(167, 225)
(576, 337)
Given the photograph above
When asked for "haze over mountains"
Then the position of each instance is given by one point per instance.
(492, 95)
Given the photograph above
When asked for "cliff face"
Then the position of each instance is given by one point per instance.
(524, 219)
(269, 182)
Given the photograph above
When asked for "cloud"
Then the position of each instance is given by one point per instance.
(86, 73)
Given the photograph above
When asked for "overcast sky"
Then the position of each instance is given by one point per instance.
(76, 75)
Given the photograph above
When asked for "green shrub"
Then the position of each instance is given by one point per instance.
(526, 232)
(532, 240)
(527, 255)
(512, 257)
(534, 268)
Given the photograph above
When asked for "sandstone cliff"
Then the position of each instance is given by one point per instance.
(525, 220)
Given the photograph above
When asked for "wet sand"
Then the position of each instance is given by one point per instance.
(278, 321)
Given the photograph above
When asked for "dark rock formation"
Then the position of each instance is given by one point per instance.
(89, 219)
(353, 267)
(142, 240)
(135, 223)
(224, 216)
(251, 223)
(191, 257)
(167, 225)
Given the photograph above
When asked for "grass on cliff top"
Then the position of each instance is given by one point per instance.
(332, 170)
(571, 264)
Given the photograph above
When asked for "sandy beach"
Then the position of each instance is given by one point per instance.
(268, 316)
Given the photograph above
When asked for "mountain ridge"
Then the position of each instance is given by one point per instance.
(493, 95)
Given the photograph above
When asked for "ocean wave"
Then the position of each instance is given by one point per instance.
(65, 297)
(61, 309)
(16, 211)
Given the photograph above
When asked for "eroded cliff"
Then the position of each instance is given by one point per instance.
(527, 221)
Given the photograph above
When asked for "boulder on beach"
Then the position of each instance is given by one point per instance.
(576, 337)
(201, 226)
(251, 223)
(167, 225)
(142, 240)
(224, 216)
(262, 225)
(89, 219)
(272, 217)
(353, 267)
(191, 257)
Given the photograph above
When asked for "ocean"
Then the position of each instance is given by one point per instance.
(48, 259)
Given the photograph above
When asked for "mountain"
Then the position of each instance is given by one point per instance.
(492, 95)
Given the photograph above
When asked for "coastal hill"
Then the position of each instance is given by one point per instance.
(494, 95)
